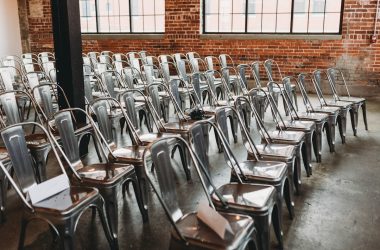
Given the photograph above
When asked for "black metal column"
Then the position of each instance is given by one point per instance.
(68, 51)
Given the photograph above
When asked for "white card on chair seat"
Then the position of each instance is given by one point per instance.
(48, 188)
(214, 220)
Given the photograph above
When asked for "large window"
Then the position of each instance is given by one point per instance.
(122, 16)
(272, 16)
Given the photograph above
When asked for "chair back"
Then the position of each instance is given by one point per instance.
(317, 76)
(301, 86)
(333, 75)
(223, 60)
(6, 78)
(196, 82)
(130, 108)
(101, 109)
(108, 79)
(181, 66)
(14, 141)
(87, 88)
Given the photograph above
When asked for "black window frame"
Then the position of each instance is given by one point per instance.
(275, 33)
(97, 17)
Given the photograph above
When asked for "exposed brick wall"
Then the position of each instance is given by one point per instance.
(353, 52)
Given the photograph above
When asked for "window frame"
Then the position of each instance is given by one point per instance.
(112, 33)
(290, 33)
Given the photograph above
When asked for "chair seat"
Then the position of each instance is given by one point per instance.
(267, 171)
(305, 126)
(129, 154)
(342, 104)
(182, 126)
(327, 109)
(276, 151)
(351, 99)
(68, 201)
(317, 117)
(36, 141)
(292, 137)
(199, 234)
(104, 174)
(246, 197)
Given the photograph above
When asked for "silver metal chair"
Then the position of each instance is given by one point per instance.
(344, 107)
(332, 112)
(308, 127)
(270, 66)
(61, 211)
(108, 177)
(233, 197)
(188, 231)
(335, 75)
(321, 120)
(295, 138)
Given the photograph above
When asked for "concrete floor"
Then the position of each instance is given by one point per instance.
(337, 207)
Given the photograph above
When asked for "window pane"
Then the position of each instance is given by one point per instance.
(254, 23)
(239, 6)
(301, 6)
(283, 23)
(317, 6)
(238, 23)
(160, 23)
(333, 5)
(137, 24)
(300, 23)
(284, 6)
(316, 23)
(124, 24)
(114, 24)
(103, 6)
(136, 7)
(124, 7)
(160, 7)
(332, 22)
(255, 6)
(225, 22)
(149, 25)
(270, 6)
(269, 23)
(225, 6)
(148, 7)
(103, 24)
(91, 24)
(211, 23)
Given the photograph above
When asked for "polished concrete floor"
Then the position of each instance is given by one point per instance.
(338, 207)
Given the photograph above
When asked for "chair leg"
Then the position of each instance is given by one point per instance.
(341, 120)
(111, 198)
(263, 231)
(317, 143)
(24, 225)
(139, 198)
(234, 127)
(306, 153)
(288, 197)
(67, 234)
(364, 110)
(353, 114)
(330, 133)
(276, 219)
(113, 242)
(143, 187)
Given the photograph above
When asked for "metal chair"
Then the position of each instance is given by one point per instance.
(307, 127)
(104, 108)
(337, 74)
(188, 231)
(321, 120)
(233, 197)
(295, 138)
(344, 107)
(108, 177)
(332, 112)
(253, 171)
(61, 211)
(269, 64)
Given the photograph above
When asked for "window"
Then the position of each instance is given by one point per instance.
(272, 16)
(122, 16)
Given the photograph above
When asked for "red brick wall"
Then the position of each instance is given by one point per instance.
(353, 52)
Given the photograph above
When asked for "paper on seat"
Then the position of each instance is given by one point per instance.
(214, 220)
(48, 188)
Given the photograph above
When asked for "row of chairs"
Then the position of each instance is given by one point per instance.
(275, 162)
